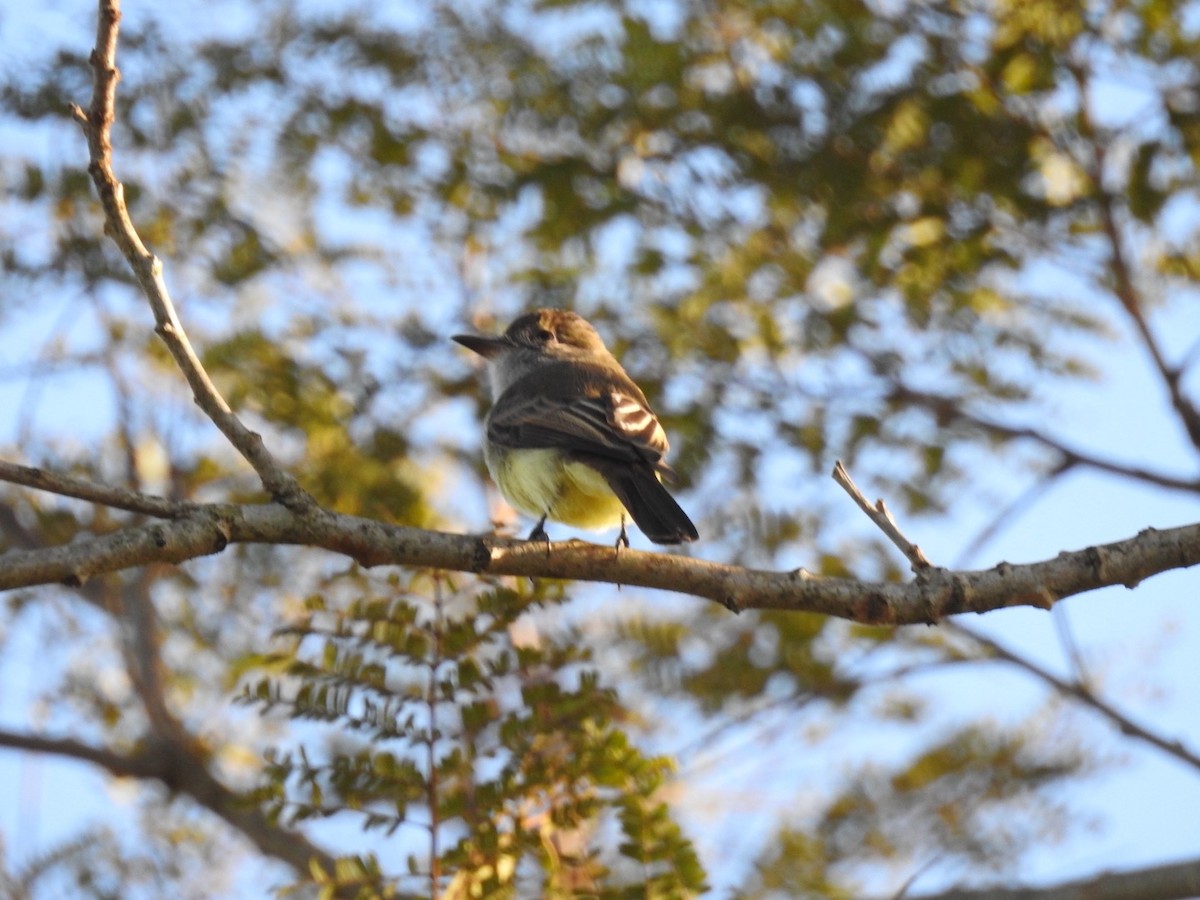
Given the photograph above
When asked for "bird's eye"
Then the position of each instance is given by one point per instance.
(543, 336)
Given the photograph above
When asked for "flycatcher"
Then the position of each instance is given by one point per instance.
(570, 437)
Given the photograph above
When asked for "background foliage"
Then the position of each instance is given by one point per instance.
(892, 233)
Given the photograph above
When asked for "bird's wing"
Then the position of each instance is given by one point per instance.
(610, 423)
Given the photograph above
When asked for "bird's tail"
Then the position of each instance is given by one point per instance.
(652, 507)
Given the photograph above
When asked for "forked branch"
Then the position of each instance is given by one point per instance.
(97, 122)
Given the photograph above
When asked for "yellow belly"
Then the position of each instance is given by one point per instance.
(540, 483)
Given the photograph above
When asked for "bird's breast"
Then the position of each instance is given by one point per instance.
(542, 482)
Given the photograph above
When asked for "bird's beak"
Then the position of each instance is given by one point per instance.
(487, 347)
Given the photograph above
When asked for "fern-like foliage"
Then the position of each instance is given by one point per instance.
(487, 753)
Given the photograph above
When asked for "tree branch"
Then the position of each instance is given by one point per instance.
(1124, 285)
(143, 659)
(1127, 293)
(97, 123)
(80, 489)
(878, 514)
(938, 594)
(882, 517)
(180, 770)
(1175, 881)
(948, 408)
(1081, 693)
(138, 766)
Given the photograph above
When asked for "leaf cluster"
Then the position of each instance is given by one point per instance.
(509, 756)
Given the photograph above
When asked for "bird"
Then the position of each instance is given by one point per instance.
(569, 436)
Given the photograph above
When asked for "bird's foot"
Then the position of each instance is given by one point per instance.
(622, 538)
(539, 534)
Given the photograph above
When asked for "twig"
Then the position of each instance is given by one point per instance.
(97, 123)
(432, 701)
(1130, 301)
(1077, 689)
(1073, 457)
(1070, 646)
(1011, 511)
(917, 873)
(880, 515)
(1079, 692)
(117, 498)
(1190, 356)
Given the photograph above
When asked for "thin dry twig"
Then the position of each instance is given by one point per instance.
(97, 123)
(882, 517)
(1070, 646)
(1127, 293)
(1010, 512)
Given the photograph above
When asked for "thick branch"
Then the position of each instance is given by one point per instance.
(289, 846)
(940, 593)
(180, 771)
(97, 126)
(138, 766)
(1175, 881)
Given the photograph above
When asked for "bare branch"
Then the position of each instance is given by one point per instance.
(171, 755)
(1072, 456)
(949, 408)
(97, 126)
(291, 847)
(117, 498)
(1081, 693)
(143, 659)
(1070, 646)
(184, 772)
(1124, 285)
(941, 593)
(1176, 881)
(1127, 293)
(882, 517)
(138, 766)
